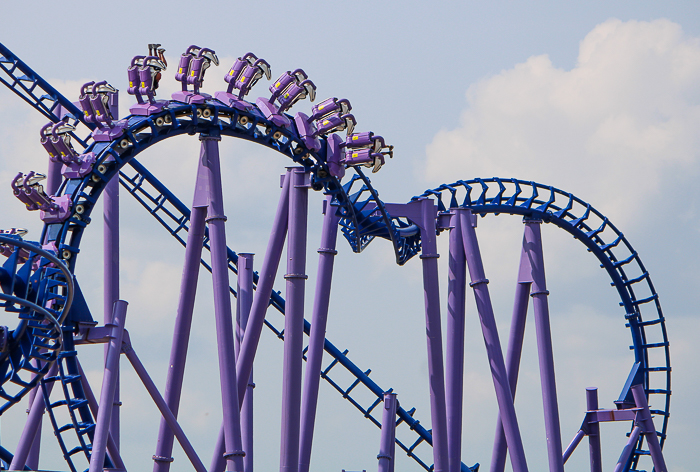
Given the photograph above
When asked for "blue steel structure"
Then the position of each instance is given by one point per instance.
(42, 292)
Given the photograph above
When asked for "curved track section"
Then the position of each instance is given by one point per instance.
(363, 218)
(643, 314)
(180, 119)
(39, 288)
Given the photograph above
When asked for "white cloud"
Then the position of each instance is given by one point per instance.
(614, 127)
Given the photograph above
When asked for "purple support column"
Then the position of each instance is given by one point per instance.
(479, 283)
(53, 182)
(218, 463)
(261, 301)
(317, 336)
(163, 408)
(294, 321)
(515, 347)
(33, 458)
(249, 344)
(647, 423)
(454, 362)
(572, 445)
(183, 321)
(94, 409)
(110, 201)
(431, 291)
(222, 307)
(109, 383)
(387, 448)
(31, 427)
(533, 244)
(243, 303)
(594, 449)
(628, 449)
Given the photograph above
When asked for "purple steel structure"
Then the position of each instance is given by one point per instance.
(111, 261)
(387, 445)
(317, 336)
(294, 318)
(244, 302)
(412, 228)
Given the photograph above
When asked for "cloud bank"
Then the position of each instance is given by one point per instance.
(615, 127)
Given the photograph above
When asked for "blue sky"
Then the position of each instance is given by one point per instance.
(597, 98)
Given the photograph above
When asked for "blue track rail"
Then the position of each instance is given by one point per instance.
(39, 288)
(38, 93)
(363, 218)
(638, 297)
(359, 225)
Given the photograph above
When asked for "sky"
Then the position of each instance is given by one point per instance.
(601, 99)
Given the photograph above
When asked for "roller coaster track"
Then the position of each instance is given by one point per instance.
(363, 217)
(361, 221)
(638, 298)
(38, 287)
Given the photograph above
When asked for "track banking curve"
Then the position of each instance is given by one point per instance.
(363, 217)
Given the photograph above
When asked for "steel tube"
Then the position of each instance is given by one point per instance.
(479, 284)
(222, 307)
(243, 304)
(295, 281)
(317, 335)
(431, 291)
(112, 449)
(53, 177)
(163, 408)
(109, 383)
(644, 418)
(628, 449)
(244, 364)
(261, 300)
(515, 347)
(388, 437)
(110, 202)
(454, 362)
(594, 449)
(181, 334)
(572, 445)
(33, 458)
(218, 463)
(31, 427)
(533, 244)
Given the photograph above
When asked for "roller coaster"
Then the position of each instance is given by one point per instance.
(39, 357)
